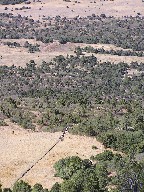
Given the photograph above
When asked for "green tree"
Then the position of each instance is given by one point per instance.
(69, 186)
(82, 181)
(65, 168)
(102, 174)
(55, 187)
(7, 190)
(105, 156)
(78, 51)
(21, 186)
(37, 188)
(130, 176)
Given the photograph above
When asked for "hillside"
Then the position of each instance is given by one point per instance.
(76, 65)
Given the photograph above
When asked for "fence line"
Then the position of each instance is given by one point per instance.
(25, 172)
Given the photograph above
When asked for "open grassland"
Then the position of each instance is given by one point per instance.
(117, 8)
(20, 56)
(19, 150)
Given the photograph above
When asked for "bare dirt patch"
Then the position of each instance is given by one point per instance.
(21, 149)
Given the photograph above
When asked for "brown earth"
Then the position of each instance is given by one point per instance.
(19, 150)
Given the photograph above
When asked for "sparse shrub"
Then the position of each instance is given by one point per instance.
(94, 147)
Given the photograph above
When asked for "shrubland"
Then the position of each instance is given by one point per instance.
(94, 99)
(122, 32)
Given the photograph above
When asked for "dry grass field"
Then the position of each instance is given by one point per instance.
(117, 8)
(20, 56)
(21, 149)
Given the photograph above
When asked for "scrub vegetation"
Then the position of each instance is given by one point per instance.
(96, 99)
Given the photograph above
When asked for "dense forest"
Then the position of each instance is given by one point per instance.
(95, 99)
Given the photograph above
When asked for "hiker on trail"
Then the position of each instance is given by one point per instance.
(61, 137)
(64, 130)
